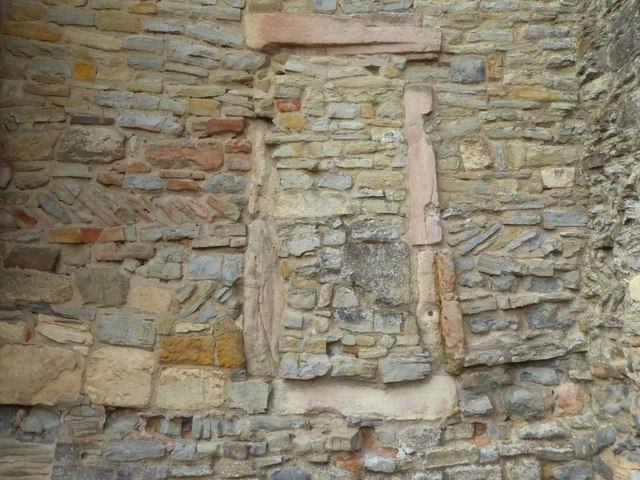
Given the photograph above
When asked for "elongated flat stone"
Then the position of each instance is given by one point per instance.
(336, 35)
(424, 222)
(431, 400)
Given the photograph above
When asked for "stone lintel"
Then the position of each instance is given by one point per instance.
(434, 399)
(264, 31)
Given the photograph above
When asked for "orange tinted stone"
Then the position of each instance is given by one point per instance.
(229, 347)
(84, 71)
(187, 350)
(288, 105)
(143, 8)
(218, 125)
(133, 167)
(178, 185)
(237, 145)
(112, 235)
(110, 178)
(74, 235)
(38, 31)
(208, 156)
(292, 121)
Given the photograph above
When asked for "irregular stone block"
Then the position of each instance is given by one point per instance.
(34, 286)
(403, 369)
(229, 347)
(289, 473)
(184, 154)
(23, 459)
(120, 376)
(129, 451)
(304, 366)
(564, 218)
(33, 375)
(252, 396)
(63, 331)
(187, 350)
(105, 287)
(430, 400)
(124, 328)
(190, 388)
(576, 470)
(468, 70)
(380, 268)
(74, 235)
(90, 145)
(378, 463)
(312, 204)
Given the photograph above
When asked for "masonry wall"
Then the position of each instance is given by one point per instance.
(209, 261)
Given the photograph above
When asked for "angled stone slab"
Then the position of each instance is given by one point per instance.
(429, 400)
(269, 31)
(424, 221)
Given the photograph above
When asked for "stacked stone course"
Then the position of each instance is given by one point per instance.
(221, 260)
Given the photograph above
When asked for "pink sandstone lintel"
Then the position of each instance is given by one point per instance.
(265, 31)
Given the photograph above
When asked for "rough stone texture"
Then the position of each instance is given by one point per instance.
(251, 396)
(39, 375)
(90, 145)
(105, 287)
(34, 258)
(34, 286)
(119, 376)
(125, 328)
(187, 350)
(190, 388)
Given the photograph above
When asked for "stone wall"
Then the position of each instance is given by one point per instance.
(331, 240)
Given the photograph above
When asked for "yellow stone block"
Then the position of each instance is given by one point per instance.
(367, 110)
(84, 71)
(23, 11)
(537, 94)
(143, 8)
(292, 121)
(199, 106)
(37, 31)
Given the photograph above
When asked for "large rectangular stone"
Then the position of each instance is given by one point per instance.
(124, 328)
(34, 286)
(429, 400)
(190, 388)
(337, 35)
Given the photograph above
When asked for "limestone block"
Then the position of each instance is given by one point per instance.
(634, 288)
(34, 286)
(251, 396)
(190, 388)
(105, 287)
(119, 376)
(429, 400)
(558, 177)
(126, 328)
(32, 375)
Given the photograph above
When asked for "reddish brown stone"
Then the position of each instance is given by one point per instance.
(74, 235)
(229, 347)
(112, 235)
(24, 217)
(110, 178)
(106, 252)
(220, 125)
(237, 145)
(201, 211)
(187, 350)
(208, 156)
(288, 105)
(178, 185)
(35, 258)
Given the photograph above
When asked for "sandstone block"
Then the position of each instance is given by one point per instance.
(124, 328)
(119, 376)
(190, 388)
(558, 177)
(37, 31)
(91, 39)
(74, 235)
(32, 375)
(229, 344)
(63, 331)
(117, 21)
(90, 145)
(150, 298)
(183, 154)
(31, 257)
(34, 286)
(105, 287)
(187, 350)
(30, 147)
(128, 451)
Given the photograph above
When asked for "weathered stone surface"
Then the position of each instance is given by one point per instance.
(468, 70)
(289, 473)
(403, 369)
(312, 204)
(22, 459)
(61, 330)
(187, 350)
(430, 400)
(190, 388)
(119, 376)
(90, 145)
(252, 396)
(269, 30)
(124, 328)
(150, 298)
(381, 269)
(229, 344)
(304, 366)
(183, 154)
(33, 375)
(129, 451)
(105, 287)
(34, 286)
